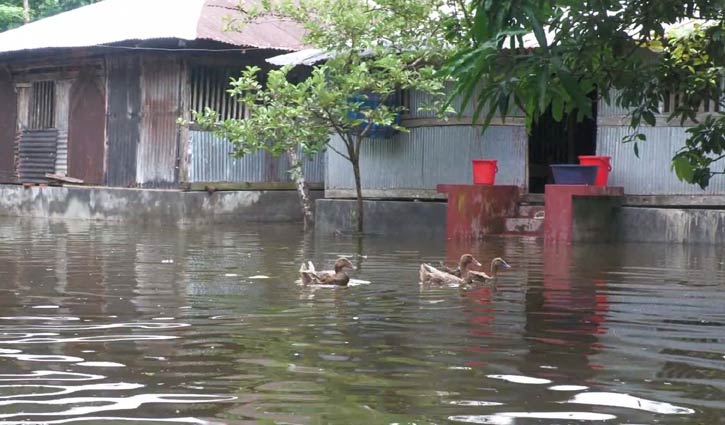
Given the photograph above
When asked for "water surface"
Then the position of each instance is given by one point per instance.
(103, 323)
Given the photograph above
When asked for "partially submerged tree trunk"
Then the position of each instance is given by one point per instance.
(308, 218)
(358, 191)
(352, 143)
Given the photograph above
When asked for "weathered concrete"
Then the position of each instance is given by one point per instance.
(594, 218)
(560, 212)
(477, 211)
(382, 217)
(152, 206)
(671, 225)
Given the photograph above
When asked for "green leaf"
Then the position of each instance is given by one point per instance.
(683, 169)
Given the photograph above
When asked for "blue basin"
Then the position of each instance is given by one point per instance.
(574, 174)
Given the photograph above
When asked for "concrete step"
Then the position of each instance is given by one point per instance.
(530, 211)
(524, 226)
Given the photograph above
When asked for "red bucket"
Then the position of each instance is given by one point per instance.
(484, 171)
(604, 167)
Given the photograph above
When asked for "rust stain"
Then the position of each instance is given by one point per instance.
(461, 202)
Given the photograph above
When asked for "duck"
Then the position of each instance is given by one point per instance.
(497, 264)
(466, 261)
(446, 276)
(337, 277)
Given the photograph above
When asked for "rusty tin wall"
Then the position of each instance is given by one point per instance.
(413, 164)
(36, 155)
(158, 150)
(8, 124)
(124, 119)
(87, 129)
(651, 173)
(211, 162)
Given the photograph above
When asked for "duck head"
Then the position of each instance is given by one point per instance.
(467, 261)
(343, 264)
(498, 264)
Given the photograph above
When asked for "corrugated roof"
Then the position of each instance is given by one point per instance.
(114, 21)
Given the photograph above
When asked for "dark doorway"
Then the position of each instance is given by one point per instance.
(553, 142)
(86, 131)
(8, 123)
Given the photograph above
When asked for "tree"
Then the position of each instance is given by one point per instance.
(375, 50)
(625, 47)
(16, 12)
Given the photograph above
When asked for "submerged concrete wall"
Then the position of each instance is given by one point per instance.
(152, 206)
(673, 225)
(386, 218)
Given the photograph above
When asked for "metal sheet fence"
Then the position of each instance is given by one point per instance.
(428, 156)
(651, 173)
(211, 161)
(124, 119)
(157, 151)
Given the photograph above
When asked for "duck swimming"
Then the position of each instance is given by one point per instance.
(462, 275)
(497, 264)
(326, 277)
(447, 276)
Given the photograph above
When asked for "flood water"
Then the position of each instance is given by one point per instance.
(105, 323)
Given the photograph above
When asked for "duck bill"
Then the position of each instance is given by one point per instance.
(477, 263)
(505, 265)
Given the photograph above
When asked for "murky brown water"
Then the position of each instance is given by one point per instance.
(116, 324)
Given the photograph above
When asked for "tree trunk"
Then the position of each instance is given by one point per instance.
(308, 218)
(26, 10)
(355, 159)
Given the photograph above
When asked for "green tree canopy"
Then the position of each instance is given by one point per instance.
(11, 11)
(550, 55)
(376, 49)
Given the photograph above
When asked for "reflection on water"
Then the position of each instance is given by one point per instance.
(109, 323)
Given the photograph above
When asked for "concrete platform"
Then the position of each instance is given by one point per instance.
(149, 206)
(579, 213)
(477, 211)
(383, 218)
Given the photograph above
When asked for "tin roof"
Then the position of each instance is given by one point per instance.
(114, 21)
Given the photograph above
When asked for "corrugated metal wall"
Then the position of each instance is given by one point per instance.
(87, 129)
(416, 162)
(36, 155)
(416, 100)
(124, 119)
(8, 126)
(211, 162)
(158, 150)
(650, 174)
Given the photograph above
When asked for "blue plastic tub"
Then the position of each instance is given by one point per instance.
(574, 174)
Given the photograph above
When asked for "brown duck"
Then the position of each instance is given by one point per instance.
(431, 275)
(338, 277)
(497, 264)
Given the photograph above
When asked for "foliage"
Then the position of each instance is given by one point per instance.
(608, 46)
(11, 11)
(375, 50)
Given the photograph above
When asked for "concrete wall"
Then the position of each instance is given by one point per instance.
(594, 218)
(672, 225)
(149, 206)
(386, 218)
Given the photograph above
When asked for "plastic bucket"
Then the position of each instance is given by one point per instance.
(574, 174)
(604, 167)
(484, 171)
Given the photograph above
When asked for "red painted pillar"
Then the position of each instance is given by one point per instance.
(558, 202)
(477, 211)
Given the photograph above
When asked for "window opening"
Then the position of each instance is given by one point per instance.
(209, 87)
(42, 105)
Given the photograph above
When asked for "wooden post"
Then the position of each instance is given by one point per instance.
(62, 115)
